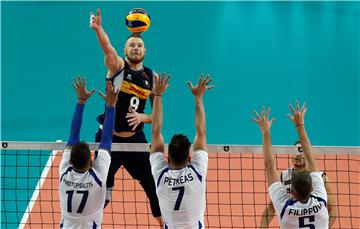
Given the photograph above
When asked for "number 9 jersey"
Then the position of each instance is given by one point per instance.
(82, 194)
(181, 192)
(135, 88)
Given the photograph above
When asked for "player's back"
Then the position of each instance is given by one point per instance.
(181, 192)
(82, 194)
(294, 214)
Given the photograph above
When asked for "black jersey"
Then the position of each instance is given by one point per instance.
(136, 87)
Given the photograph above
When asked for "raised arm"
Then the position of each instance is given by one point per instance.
(160, 85)
(265, 124)
(297, 117)
(200, 119)
(110, 98)
(112, 61)
(83, 95)
(267, 216)
(331, 203)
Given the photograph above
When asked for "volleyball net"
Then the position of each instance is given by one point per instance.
(236, 186)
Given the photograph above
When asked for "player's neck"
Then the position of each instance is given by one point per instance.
(134, 67)
(172, 166)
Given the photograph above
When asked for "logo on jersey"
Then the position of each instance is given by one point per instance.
(133, 89)
(128, 77)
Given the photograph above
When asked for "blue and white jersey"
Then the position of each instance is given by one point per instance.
(181, 192)
(82, 194)
(294, 214)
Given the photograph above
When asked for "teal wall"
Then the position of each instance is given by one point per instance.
(258, 53)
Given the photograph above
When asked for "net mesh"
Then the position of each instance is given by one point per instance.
(236, 190)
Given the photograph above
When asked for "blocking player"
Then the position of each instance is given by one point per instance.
(82, 180)
(180, 182)
(307, 208)
(299, 164)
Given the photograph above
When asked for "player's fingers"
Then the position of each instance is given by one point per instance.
(268, 112)
(297, 105)
(135, 126)
(292, 108)
(98, 12)
(167, 79)
(255, 120)
(210, 87)
(263, 111)
(257, 115)
(190, 85)
(102, 95)
(92, 92)
(303, 107)
(290, 117)
(74, 86)
(200, 78)
(304, 111)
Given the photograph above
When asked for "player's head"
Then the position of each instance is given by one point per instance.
(301, 185)
(179, 150)
(135, 48)
(80, 156)
(298, 159)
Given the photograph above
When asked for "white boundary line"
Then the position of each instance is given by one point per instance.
(38, 187)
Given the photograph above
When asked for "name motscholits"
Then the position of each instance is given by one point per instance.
(181, 180)
(306, 211)
(78, 185)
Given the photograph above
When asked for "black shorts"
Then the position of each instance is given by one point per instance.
(137, 164)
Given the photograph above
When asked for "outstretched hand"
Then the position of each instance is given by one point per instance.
(95, 20)
(263, 121)
(111, 95)
(298, 115)
(79, 84)
(161, 84)
(202, 86)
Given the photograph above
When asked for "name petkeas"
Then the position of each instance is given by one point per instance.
(180, 180)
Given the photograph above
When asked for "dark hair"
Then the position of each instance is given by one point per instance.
(300, 149)
(179, 149)
(80, 155)
(301, 184)
(136, 35)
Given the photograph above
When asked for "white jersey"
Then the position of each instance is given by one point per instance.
(82, 195)
(285, 178)
(181, 192)
(294, 214)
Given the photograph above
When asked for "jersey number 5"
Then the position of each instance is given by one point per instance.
(179, 198)
(311, 220)
(82, 203)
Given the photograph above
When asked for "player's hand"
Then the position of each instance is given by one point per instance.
(298, 115)
(263, 121)
(95, 20)
(79, 84)
(111, 95)
(202, 86)
(134, 118)
(161, 84)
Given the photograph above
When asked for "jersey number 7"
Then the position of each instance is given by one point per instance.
(82, 203)
(179, 198)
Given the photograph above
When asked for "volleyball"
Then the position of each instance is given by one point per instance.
(137, 20)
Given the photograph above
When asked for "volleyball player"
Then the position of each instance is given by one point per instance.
(82, 188)
(180, 182)
(299, 164)
(135, 83)
(307, 206)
